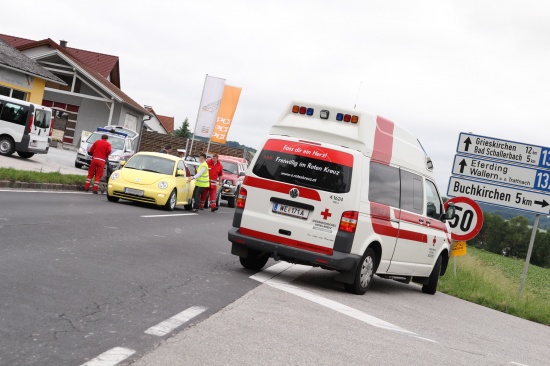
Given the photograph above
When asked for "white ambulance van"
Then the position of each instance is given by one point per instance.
(345, 191)
(25, 128)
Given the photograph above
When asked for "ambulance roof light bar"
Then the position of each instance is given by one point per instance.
(324, 114)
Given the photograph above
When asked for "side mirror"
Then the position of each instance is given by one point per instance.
(242, 174)
(180, 173)
(450, 212)
(122, 163)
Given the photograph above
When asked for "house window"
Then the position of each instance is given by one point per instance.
(13, 93)
(130, 122)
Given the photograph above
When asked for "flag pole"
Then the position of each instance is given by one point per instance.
(197, 120)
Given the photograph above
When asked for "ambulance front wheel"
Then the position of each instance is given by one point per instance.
(363, 274)
(255, 260)
(431, 287)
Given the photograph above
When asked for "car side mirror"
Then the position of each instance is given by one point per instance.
(122, 163)
(180, 173)
(450, 212)
(242, 174)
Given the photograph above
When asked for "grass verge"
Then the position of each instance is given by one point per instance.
(493, 280)
(28, 176)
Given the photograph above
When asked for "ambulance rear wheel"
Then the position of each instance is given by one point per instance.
(363, 274)
(255, 260)
(431, 287)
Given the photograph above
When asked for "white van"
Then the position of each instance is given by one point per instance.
(25, 128)
(345, 191)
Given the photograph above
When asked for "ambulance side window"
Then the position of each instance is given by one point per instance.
(384, 184)
(412, 193)
(433, 202)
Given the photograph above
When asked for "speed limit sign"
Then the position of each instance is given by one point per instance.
(468, 218)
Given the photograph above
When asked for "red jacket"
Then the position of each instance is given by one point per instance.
(216, 171)
(101, 149)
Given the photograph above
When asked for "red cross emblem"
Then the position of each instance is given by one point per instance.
(326, 214)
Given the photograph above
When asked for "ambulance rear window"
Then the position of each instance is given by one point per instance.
(305, 165)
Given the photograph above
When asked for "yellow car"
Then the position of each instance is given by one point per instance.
(160, 179)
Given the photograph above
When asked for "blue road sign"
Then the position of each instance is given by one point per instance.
(492, 148)
(504, 173)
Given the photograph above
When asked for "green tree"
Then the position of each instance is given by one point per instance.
(184, 130)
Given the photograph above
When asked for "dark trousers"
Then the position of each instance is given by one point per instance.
(197, 196)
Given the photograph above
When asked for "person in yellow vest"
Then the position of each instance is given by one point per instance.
(202, 182)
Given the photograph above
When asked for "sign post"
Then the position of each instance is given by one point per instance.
(529, 251)
(503, 173)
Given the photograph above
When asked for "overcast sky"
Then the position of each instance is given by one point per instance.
(435, 67)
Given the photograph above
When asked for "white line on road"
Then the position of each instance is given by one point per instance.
(170, 215)
(281, 274)
(111, 357)
(176, 321)
(516, 363)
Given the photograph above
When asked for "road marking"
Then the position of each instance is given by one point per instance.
(281, 274)
(171, 215)
(29, 191)
(516, 363)
(165, 327)
(111, 357)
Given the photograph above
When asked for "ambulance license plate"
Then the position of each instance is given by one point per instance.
(34, 143)
(134, 192)
(290, 211)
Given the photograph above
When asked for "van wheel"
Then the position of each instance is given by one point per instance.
(171, 203)
(363, 274)
(431, 287)
(25, 155)
(255, 260)
(7, 146)
(78, 165)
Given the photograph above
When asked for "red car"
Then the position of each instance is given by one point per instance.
(234, 171)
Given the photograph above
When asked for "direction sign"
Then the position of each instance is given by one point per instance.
(504, 173)
(504, 150)
(499, 195)
(468, 218)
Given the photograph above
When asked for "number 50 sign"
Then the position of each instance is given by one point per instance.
(468, 219)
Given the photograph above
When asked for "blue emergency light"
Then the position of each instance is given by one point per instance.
(101, 129)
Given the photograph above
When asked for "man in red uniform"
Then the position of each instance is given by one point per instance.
(215, 169)
(100, 150)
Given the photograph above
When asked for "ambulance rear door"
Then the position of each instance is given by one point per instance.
(297, 193)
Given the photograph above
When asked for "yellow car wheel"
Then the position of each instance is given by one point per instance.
(171, 203)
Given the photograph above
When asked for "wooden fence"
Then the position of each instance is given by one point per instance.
(154, 141)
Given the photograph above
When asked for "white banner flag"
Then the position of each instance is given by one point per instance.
(210, 103)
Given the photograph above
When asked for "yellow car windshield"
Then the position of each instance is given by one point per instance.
(151, 164)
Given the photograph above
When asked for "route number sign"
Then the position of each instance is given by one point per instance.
(468, 219)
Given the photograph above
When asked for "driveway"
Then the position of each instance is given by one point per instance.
(56, 160)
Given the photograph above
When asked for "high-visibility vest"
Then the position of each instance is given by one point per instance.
(204, 179)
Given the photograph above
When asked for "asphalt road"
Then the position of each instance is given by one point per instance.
(87, 280)
(81, 275)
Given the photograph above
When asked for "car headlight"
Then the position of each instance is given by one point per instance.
(114, 158)
(82, 151)
(114, 176)
(163, 185)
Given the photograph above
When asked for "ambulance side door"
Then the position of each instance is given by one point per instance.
(412, 232)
